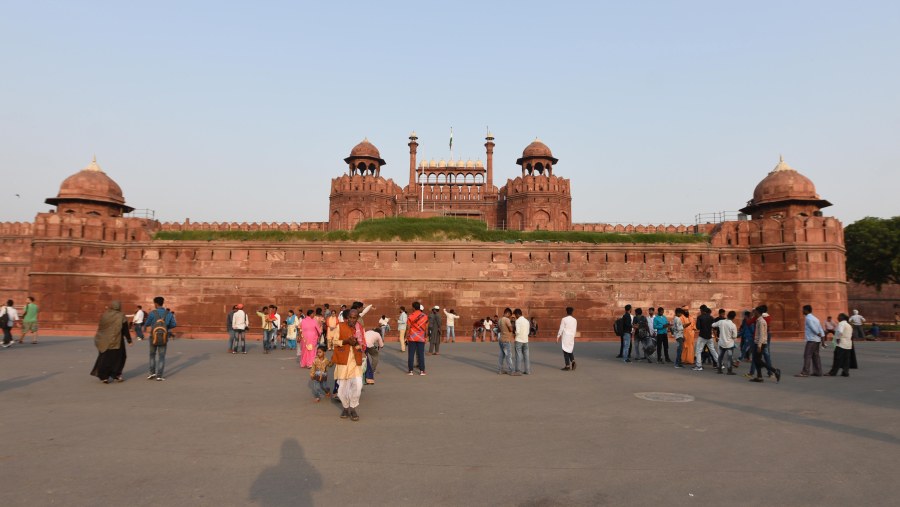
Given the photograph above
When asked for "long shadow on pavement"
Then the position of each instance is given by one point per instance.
(183, 365)
(289, 482)
(808, 421)
(23, 381)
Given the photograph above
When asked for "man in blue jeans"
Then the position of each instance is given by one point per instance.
(626, 333)
(523, 327)
(158, 350)
(506, 341)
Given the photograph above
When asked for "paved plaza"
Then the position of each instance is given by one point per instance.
(243, 430)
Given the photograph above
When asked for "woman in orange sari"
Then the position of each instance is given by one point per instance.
(690, 336)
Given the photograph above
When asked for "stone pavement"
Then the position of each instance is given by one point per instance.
(242, 430)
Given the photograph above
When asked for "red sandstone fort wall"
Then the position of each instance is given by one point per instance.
(874, 305)
(15, 260)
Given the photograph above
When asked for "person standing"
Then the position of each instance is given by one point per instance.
(857, 321)
(843, 344)
(332, 321)
(384, 325)
(239, 323)
(661, 326)
(627, 327)
(451, 325)
(690, 337)
(761, 342)
(230, 329)
(276, 328)
(318, 374)
(418, 325)
(401, 327)
(568, 326)
(349, 349)
(678, 334)
(161, 322)
(137, 322)
(8, 318)
(523, 327)
(374, 344)
(293, 326)
(727, 332)
(640, 336)
(112, 332)
(746, 332)
(434, 332)
(309, 339)
(814, 335)
(266, 322)
(507, 336)
(29, 321)
(704, 338)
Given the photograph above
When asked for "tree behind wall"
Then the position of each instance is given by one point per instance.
(873, 251)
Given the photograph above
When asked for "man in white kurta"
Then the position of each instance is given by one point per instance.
(566, 337)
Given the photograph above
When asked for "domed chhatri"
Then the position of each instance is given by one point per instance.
(90, 191)
(365, 159)
(785, 186)
(536, 149)
(366, 149)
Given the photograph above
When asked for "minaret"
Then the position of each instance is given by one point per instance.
(413, 146)
(489, 146)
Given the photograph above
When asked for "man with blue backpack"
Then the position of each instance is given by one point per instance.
(161, 322)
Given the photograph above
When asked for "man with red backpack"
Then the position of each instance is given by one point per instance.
(161, 322)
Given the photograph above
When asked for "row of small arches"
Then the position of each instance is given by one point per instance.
(455, 179)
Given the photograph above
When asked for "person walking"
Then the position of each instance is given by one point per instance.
(374, 344)
(522, 327)
(384, 325)
(161, 322)
(8, 318)
(843, 344)
(568, 326)
(401, 327)
(727, 332)
(761, 342)
(704, 338)
(451, 325)
(507, 337)
(418, 324)
(690, 337)
(137, 322)
(112, 332)
(661, 326)
(293, 329)
(309, 339)
(434, 332)
(814, 334)
(239, 323)
(29, 321)
(349, 350)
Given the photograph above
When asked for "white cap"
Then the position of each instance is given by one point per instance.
(436, 307)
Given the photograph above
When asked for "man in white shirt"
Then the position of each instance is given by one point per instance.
(566, 337)
(451, 325)
(843, 347)
(239, 323)
(11, 316)
(856, 322)
(727, 333)
(522, 329)
(276, 328)
(374, 343)
(137, 322)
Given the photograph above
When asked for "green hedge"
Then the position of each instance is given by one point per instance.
(430, 229)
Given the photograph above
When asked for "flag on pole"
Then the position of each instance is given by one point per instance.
(451, 138)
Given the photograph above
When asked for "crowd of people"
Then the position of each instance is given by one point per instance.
(336, 342)
(707, 340)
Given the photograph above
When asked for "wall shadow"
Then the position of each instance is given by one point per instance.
(183, 365)
(292, 481)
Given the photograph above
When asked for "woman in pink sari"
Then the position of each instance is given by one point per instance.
(309, 331)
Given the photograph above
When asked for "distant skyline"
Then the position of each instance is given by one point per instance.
(657, 110)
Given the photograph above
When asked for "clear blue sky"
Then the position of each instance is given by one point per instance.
(657, 110)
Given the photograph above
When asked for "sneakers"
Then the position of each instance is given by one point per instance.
(410, 373)
(422, 374)
(565, 369)
(697, 368)
(353, 415)
(160, 379)
(747, 375)
(345, 413)
(679, 366)
(756, 379)
(151, 376)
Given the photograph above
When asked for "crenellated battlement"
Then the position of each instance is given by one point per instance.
(16, 228)
(365, 184)
(187, 225)
(540, 183)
